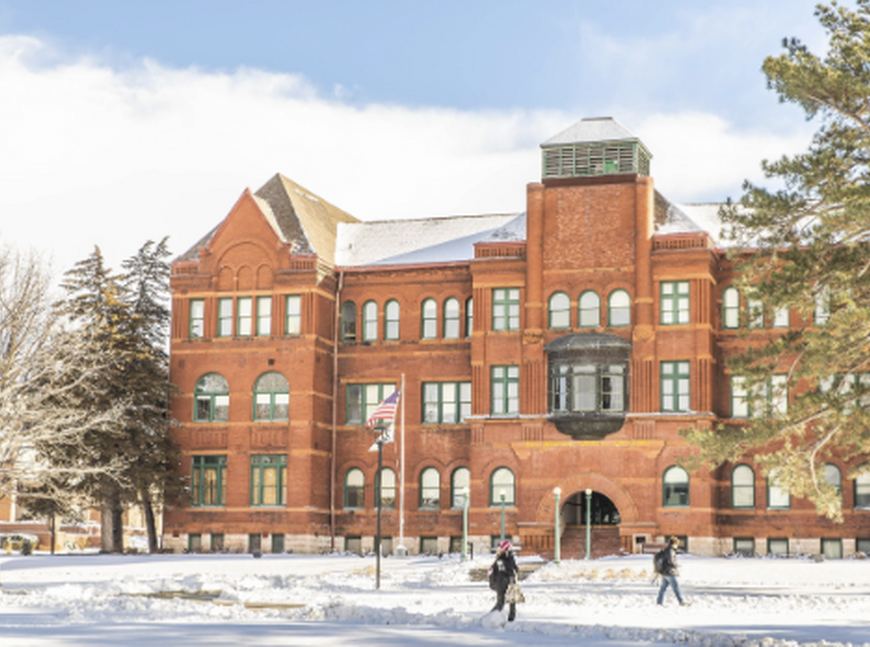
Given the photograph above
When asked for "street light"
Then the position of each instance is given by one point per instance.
(557, 492)
(588, 521)
(501, 494)
(465, 523)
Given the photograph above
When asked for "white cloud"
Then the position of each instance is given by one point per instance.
(96, 155)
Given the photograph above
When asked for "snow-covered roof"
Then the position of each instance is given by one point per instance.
(426, 240)
(593, 129)
(705, 216)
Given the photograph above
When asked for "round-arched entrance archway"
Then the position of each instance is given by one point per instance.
(603, 512)
(594, 519)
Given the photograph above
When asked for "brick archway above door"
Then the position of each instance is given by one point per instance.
(597, 483)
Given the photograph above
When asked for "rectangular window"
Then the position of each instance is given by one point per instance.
(505, 390)
(862, 492)
(277, 544)
(770, 398)
(255, 542)
(363, 399)
(862, 545)
(194, 542)
(780, 318)
(675, 386)
(506, 309)
(225, 317)
(777, 546)
(268, 479)
(208, 481)
(245, 314)
(832, 548)
(744, 546)
(446, 402)
(777, 498)
(755, 313)
(674, 303)
(293, 323)
(217, 542)
(428, 545)
(197, 318)
(353, 545)
(264, 316)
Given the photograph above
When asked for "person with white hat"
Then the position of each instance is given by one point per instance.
(502, 573)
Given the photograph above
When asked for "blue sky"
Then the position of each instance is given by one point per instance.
(126, 121)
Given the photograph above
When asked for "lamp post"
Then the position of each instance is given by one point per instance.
(380, 442)
(501, 494)
(557, 544)
(588, 521)
(465, 523)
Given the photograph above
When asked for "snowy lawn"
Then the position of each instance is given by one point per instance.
(98, 600)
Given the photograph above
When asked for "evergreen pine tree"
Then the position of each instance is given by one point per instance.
(806, 247)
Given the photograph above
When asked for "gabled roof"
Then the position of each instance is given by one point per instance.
(593, 129)
(426, 240)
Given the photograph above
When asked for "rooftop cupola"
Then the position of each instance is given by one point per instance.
(592, 147)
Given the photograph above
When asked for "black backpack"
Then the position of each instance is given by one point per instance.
(659, 560)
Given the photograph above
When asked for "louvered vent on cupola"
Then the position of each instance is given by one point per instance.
(592, 147)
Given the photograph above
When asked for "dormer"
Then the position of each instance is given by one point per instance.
(594, 147)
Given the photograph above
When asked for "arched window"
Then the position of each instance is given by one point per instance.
(469, 316)
(618, 309)
(354, 489)
(460, 483)
(742, 487)
(212, 395)
(348, 321)
(730, 308)
(430, 489)
(777, 497)
(429, 323)
(387, 489)
(675, 487)
(559, 311)
(271, 397)
(589, 306)
(862, 489)
(502, 483)
(451, 318)
(370, 321)
(391, 320)
(834, 477)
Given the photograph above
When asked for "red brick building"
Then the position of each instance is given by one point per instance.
(547, 357)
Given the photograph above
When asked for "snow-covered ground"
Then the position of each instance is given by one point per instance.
(101, 600)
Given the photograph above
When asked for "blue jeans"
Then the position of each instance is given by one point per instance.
(669, 580)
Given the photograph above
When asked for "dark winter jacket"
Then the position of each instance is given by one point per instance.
(669, 564)
(505, 569)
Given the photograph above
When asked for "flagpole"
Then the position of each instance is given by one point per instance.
(402, 472)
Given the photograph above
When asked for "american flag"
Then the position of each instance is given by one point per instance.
(386, 410)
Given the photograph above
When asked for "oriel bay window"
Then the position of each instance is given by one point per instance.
(577, 387)
(269, 479)
(446, 402)
(208, 483)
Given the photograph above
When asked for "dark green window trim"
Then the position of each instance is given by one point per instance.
(730, 308)
(225, 317)
(742, 487)
(446, 402)
(505, 391)
(354, 489)
(392, 324)
(363, 399)
(460, 480)
(264, 316)
(674, 303)
(450, 327)
(385, 490)
(244, 317)
(559, 311)
(778, 542)
(430, 489)
(744, 546)
(271, 397)
(675, 487)
(619, 309)
(370, 321)
(196, 329)
(502, 480)
(211, 399)
(208, 483)
(782, 500)
(675, 386)
(269, 479)
(469, 316)
(506, 309)
(293, 315)
(429, 319)
(589, 310)
(348, 322)
(861, 489)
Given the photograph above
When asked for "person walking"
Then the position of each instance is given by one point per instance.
(503, 572)
(669, 571)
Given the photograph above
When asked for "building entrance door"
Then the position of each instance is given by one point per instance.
(603, 529)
